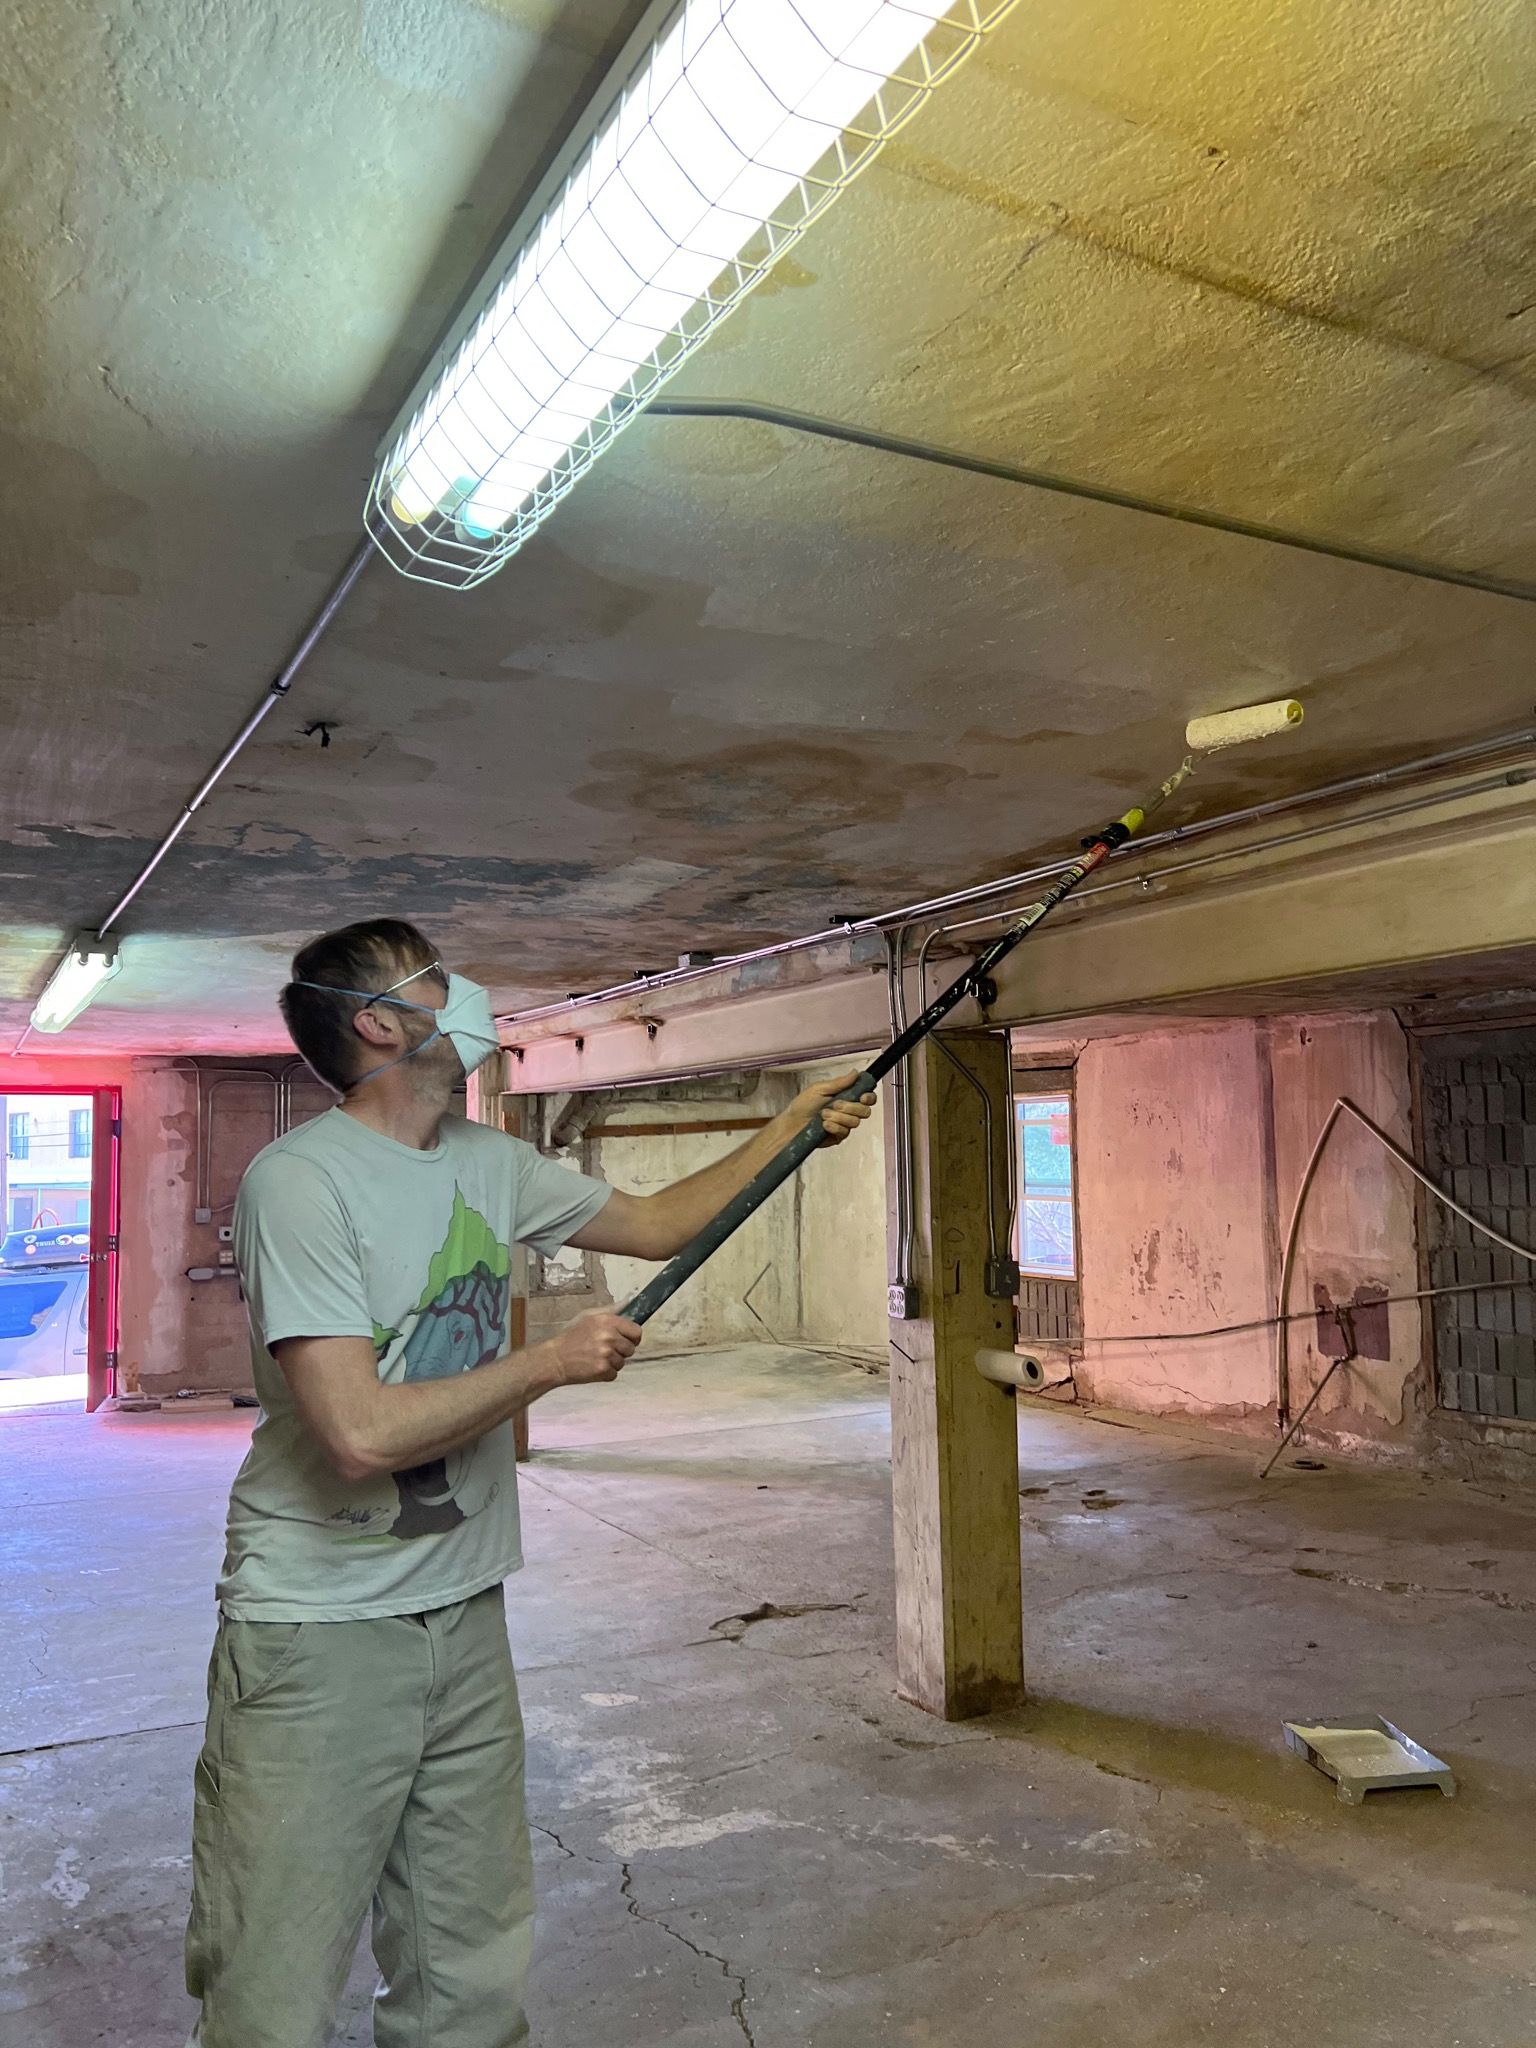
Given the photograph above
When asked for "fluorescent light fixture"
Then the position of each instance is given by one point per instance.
(722, 132)
(89, 964)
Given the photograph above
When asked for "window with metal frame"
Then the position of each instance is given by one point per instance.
(18, 1142)
(80, 1134)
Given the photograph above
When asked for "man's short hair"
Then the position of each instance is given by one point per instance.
(370, 955)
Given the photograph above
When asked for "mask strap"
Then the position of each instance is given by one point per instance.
(400, 1058)
(367, 997)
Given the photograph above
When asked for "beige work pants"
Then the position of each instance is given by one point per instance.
(349, 1762)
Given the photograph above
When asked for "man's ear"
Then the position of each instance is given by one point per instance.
(377, 1028)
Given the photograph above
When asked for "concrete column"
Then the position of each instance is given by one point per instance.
(954, 1451)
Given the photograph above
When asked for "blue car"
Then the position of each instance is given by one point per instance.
(55, 1244)
(43, 1322)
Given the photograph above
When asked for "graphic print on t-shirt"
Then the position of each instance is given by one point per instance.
(459, 1322)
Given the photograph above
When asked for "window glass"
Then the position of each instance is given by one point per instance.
(1047, 1236)
(25, 1303)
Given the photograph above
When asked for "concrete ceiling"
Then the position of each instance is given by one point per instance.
(1270, 257)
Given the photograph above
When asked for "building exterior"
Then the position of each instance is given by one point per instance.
(45, 1178)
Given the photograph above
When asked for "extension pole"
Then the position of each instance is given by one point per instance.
(973, 981)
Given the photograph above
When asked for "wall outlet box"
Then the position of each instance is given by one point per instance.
(901, 1301)
(1002, 1279)
(202, 1215)
(226, 1258)
(226, 1233)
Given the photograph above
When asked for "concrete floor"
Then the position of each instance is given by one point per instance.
(745, 1837)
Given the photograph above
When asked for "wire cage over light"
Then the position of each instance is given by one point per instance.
(723, 132)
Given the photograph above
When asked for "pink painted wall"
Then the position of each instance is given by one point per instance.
(1174, 1218)
(1191, 1141)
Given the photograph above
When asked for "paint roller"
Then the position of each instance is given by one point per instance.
(1203, 735)
(1233, 728)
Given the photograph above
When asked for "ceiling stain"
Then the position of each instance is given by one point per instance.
(774, 789)
(786, 276)
(273, 881)
(1037, 736)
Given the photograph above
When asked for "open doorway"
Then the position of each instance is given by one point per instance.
(58, 1246)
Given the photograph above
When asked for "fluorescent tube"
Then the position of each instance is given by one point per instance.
(723, 131)
(89, 964)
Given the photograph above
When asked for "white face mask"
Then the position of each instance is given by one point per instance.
(465, 1020)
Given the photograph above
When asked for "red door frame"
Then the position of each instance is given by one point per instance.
(106, 1148)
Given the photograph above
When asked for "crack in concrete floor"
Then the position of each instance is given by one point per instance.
(89, 1741)
(636, 1911)
(730, 1974)
(1486, 1699)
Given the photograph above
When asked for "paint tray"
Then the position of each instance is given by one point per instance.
(1363, 1753)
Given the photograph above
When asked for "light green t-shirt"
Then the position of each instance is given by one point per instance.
(341, 1232)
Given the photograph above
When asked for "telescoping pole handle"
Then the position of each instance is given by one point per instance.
(665, 1284)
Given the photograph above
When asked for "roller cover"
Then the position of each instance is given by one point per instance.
(1232, 728)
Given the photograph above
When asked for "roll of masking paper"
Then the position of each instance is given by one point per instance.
(1028, 1373)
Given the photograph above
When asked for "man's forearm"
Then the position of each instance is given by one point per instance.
(414, 1421)
(368, 1426)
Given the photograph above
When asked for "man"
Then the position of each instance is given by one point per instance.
(364, 1742)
